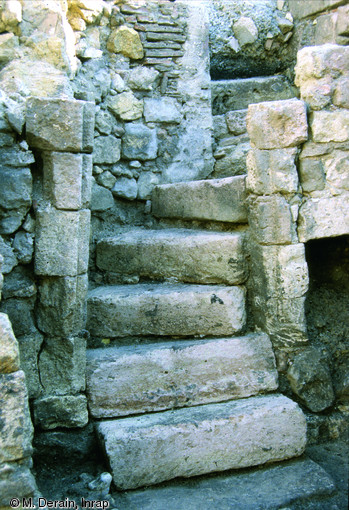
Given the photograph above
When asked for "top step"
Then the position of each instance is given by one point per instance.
(230, 95)
(213, 199)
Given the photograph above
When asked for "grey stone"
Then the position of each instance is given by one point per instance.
(233, 163)
(61, 307)
(310, 379)
(139, 142)
(67, 179)
(7, 139)
(29, 349)
(125, 188)
(146, 183)
(102, 198)
(66, 411)
(16, 188)
(60, 124)
(341, 94)
(62, 366)
(16, 481)
(220, 128)
(15, 113)
(104, 122)
(9, 353)
(341, 379)
(1, 276)
(142, 78)
(16, 430)
(23, 246)
(133, 380)
(207, 438)
(325, 217)
(11, 220)
(126, 106)
(187, 255)
(236, 121)
(19, 283)
(166, 309)
(9, 258)
(215, 199)
(62, 239)
(16, 157)
(106, 150)
(330, 126)
(165, 109)
(245, 31)
(311, 174)
(106, 179)
(21, 314)
(301, 9)
(252, 490)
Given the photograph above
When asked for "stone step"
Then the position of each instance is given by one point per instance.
(297, 484)
(152, 448)
(230, 95)
(188, 255)
(212, 199)
(154, 377)
(165, 310)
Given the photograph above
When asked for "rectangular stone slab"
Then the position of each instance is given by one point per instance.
(165, 310)
(188, 255)
(153, 377)
(214, 199)
(149, 449)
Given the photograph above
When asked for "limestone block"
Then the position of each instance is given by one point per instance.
(220, 128)
(142, 78)
(317, 93)
(125, 40)
(272, 171)
(16, 481)
(62, 366)
(66, 411)
(146, 183)
(29, 349)
(8, 256)
(9, 354)
(126, 106)
(271, 220)
(234, 161)
(62, 242)
(214, 199)
(16, 189)
(106, 150)
(61, 307)
(301, 9)
(336, 169)
(154, 377)
(330, 126)
(180, 310)
(341, 93)
(323, 217)
(317, 62)
(60, 124)
(310, 379)
(245, 31)
(203, 439)
(106, 179)
(139, 142)
(125, 188)
(311, 174)
(236, 121)
(187, 255)
(67, 179)
(279, 271)
(165, 109)
(104, 122)
(15, 426)
(101, 199)
(277, 124)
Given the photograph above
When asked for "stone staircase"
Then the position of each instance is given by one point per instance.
(184, 390)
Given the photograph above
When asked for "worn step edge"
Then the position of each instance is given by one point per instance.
(152, 448)
(121, 381)
(165, 310)
(198, 256)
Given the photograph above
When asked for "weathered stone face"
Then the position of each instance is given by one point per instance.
(139, 142)
(16, 479)
(9, 354)
(106, 150)
(162, 110)
(330, 126)
(66, 411)
(125, 40)
(325, 217)
(126, 106)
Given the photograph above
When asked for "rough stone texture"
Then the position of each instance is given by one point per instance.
(62, 240)
(67, 179)
(323, 217)
(140, 379)
(61, 307)
(125, 40)
(23, 246)
(66, 411)
(126, 106)
(236, 121)
(60, 124)
(142, 78)
(301, 9)
(101, 198)
(139, 142)
(146, 183)
(311, 174)
(106, 150)
(1, 276)
(215, 199)
(330, 126)
(15, 480)
(252, 490)
(336, 169)
(15, 197)
(271, 221)
(272, 171)
(180, 310)
(29, 349)
(15, 426)
(8, 256)
(245, 31)
(125, 188)
(233, 161)
(9, 354)
(62, 365)
(230, 95)
(164, 109)
(188, 255)
(203, 439)
(277, 124)
(310, 379)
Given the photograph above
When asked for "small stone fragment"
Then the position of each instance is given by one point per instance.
(126, 40)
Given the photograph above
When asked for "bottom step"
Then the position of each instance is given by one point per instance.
(152, 448)
(292, 484)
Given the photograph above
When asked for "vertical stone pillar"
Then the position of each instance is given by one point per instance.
(63, 131)
(279, 278)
